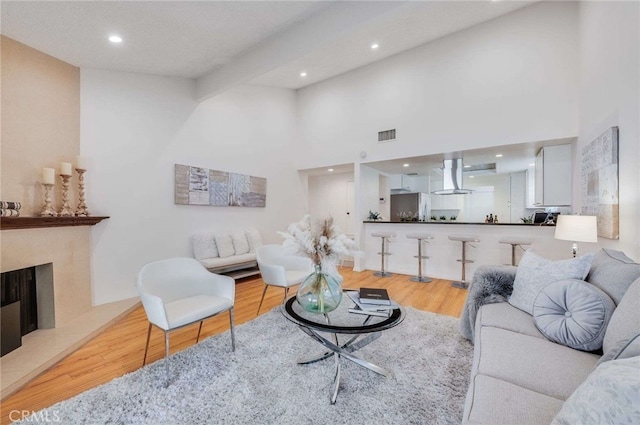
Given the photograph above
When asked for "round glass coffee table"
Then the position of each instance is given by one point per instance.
(363, 329)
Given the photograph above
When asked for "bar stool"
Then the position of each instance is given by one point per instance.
(420, 237)
(514, 243)
(464, 239)
(384, 236)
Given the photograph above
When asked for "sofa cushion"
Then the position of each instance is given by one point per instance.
(610, 395)
(506, 316)
(535, 272)
(573, 313)
(532, 363)
(493, 401)
(224, 244)
(254, 239)
(613, 272)
(240, 243)
(625, 319)
(204, 245)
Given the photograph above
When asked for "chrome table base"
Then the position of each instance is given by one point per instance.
(345, 350)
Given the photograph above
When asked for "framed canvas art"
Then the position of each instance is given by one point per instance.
(202, 186)
(600, 182)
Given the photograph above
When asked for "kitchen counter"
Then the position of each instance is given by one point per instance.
(458, 222)
(443, 252)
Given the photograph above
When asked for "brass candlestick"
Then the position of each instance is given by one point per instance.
(47, 206)
(65, 211)
(82, 210)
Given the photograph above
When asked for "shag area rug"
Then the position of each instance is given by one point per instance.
(261, 383)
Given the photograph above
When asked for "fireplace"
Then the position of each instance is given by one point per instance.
(26, 303)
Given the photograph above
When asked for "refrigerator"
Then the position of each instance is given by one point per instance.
(409, 204)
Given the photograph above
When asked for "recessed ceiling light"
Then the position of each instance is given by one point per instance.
(532, 164)
(330, 169)
(303, 74)
(405, 165)
(472, 177)
(115, 39)
(499, 155)
(467, 166)
(374, 46)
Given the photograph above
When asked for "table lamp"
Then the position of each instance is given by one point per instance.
(577, 228)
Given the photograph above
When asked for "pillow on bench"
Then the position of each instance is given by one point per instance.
(204, 246)
(240, 243)
(224, 244)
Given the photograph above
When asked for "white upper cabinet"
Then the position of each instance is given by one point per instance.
(400, 182)
(553, 176)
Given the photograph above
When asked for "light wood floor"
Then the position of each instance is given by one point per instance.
(120, 349)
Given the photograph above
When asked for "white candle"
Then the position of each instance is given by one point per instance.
(48, 176)
(81, 163)
(65, 168)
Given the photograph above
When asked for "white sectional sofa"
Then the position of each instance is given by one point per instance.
(522, 377)
(228, 252)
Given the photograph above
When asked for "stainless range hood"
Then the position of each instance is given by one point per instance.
(452, 178)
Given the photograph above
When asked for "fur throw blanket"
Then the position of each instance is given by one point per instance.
(490, 284)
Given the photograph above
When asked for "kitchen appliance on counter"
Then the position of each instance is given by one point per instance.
(409, 204)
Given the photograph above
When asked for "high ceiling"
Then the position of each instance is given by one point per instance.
(221, 43)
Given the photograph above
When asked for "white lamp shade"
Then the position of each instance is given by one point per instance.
(577, 228)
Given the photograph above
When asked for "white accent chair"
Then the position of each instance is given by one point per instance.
(177, 292)
(278, 268)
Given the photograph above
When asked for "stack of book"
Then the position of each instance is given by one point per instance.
(10, 209)
(371, 302)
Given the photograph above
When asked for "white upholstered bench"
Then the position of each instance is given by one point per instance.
(232, 253)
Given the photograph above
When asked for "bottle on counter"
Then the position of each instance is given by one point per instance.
(495, 219)
(486, 220)
(491, 218)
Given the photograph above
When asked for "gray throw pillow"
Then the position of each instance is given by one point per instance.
(625, 322)
(613, 272)
(573, 313)
(535, 272)
(609, 395)
(623, 349)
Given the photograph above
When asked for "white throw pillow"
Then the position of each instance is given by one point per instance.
(535, 272)
(225, 245)
(204, 245)
(255, 241)
(240, 243)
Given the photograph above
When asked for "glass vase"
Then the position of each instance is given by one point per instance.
(319, 292)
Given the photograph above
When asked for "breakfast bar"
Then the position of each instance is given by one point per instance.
(443, 252)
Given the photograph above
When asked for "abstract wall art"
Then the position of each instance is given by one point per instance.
(600, 182)
(202, 186)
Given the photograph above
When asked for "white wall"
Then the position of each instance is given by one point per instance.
(513, 79)
(610, 96)
(328, 198)
(135, 127)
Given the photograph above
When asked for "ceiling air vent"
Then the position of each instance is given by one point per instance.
(387, 135)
